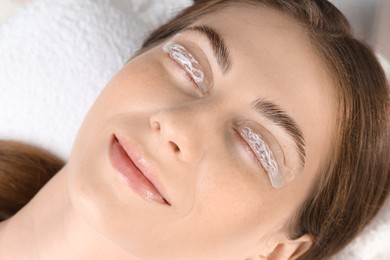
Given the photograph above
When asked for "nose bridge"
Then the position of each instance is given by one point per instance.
(184, 129)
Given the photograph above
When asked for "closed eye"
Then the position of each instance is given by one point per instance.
(190, 66)
(184, 73)
(259, 150)
(249, 151)
(266, 152)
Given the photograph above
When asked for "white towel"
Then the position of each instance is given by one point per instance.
(56, 56)
(374, 242)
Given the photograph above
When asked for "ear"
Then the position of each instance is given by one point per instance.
(291, 249)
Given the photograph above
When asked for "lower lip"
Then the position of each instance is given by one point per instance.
(132, 175)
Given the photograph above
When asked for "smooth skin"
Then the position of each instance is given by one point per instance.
(223, 205)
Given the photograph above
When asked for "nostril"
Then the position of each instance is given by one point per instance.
(174, 146)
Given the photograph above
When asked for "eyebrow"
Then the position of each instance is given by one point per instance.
(218, 45)
(279, 117)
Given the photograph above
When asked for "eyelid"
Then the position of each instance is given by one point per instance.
(268, 152)
(192, 59)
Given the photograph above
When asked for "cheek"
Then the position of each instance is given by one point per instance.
(139, 87)
(232, 211)
(133, 89)
(239, 199)
(234, 201)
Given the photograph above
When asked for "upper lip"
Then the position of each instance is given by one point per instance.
(144, 165)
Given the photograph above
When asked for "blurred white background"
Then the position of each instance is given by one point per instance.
(370, 20)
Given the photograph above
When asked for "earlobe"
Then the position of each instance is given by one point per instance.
(291, 249)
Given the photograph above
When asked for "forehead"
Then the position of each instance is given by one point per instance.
(272, 55)
(256, 31)
(270, 41)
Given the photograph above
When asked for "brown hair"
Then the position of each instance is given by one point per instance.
(352, 185)
(24, 169)
(355, 182)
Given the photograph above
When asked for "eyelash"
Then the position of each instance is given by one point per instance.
(248, 149)
(266, 160)
(187, 76)
(185, 60)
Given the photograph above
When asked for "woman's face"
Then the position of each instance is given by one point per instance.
(183, 112)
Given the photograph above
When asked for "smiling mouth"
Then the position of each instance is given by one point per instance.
(122, 161)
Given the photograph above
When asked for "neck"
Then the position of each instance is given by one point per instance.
(49, 228)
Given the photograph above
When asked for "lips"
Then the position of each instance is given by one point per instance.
(134, 170)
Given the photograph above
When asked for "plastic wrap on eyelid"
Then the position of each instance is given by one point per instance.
(278, 173)
(186, 60)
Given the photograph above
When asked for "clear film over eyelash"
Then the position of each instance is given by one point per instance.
(272, 161)
(185, 59)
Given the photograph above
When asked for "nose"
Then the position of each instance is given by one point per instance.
(183, 131)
